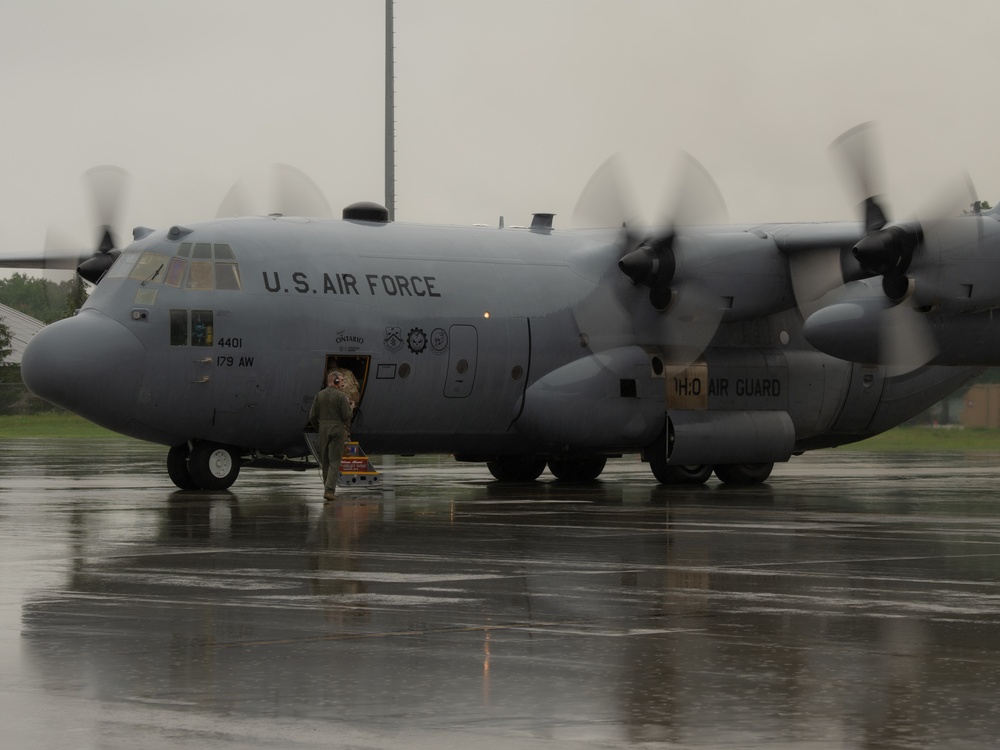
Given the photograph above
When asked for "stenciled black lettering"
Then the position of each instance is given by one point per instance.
(372, 280)
(404, 285)
(416, 281)
(328, 285)
(429, 280)
(277, 282)
(389, 284)
(301, 282)
(350, 284)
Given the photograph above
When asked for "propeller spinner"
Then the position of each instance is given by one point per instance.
(682, 315)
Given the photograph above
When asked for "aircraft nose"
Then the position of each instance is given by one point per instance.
(88, 364)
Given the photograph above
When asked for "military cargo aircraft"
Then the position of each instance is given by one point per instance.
(701, 348)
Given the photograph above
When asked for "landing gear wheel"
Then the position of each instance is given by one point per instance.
(692, 474)
(674, 474)
(177, 467)
(213, 466)
(743, 473)
(516, 468)
(578, 470)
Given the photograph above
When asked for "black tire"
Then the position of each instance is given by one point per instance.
(671, 474)
(578, 470)
(516, 468)
(177, 467)
(693, 474)
(743, 473)
(213, 466)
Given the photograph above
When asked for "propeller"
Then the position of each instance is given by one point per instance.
(682, 314)
(886, 249)
(653, 262)
(816, 271)
(283, 190)
(292, 193)
(106, 188)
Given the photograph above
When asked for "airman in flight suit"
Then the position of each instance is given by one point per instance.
(331, 414)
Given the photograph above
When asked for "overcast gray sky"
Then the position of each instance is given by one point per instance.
(503, 108)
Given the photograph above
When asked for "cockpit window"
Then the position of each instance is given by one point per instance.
(201, 328)
(192, 328)
(227, 276)
(150, 268)
(211, 266)
(178, 327)
(175, 272)
(123, 265)
(200, 276)
(145, 296)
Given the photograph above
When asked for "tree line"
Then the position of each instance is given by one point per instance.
(41, 298)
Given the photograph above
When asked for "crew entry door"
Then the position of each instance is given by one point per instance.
(463, 353)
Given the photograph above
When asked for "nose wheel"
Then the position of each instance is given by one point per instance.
(206, 466)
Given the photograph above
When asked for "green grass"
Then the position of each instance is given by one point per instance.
(51, 425)
(918, 439)
(65, 425)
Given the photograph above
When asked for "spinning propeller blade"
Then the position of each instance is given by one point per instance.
(284, 190)
(106, 188)
(681, 314)
(887, 249)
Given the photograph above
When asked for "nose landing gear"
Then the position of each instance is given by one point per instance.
(205, 466)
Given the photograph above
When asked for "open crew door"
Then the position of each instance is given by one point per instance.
(358, 364)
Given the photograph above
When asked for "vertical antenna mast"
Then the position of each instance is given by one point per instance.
(390, 117)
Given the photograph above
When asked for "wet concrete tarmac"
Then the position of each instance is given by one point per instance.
(852, 602)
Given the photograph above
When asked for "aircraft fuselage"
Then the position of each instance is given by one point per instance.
(471, 341)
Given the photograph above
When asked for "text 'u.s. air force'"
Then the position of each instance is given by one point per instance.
(374, 284)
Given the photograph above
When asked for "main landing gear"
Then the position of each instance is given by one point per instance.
(744, 474)
(579, 470)
(529, 468)
(737, 474)
(203, 466)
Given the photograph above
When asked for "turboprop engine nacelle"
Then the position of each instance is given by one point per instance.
(956, 269)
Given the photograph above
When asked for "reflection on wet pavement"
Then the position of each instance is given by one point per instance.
(853, 601)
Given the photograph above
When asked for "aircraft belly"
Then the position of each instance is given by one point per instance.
(906, 396)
